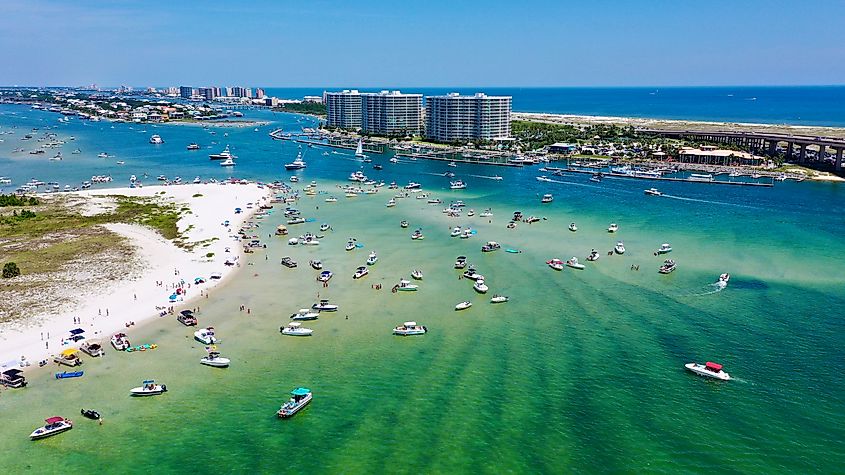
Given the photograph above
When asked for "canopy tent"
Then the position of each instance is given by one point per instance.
(77, 331)
(69, 352)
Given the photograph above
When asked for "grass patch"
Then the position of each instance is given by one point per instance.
(52, 257)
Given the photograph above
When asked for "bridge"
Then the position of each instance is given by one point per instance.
(762, 142)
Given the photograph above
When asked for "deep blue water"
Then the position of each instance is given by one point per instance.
(796, 105)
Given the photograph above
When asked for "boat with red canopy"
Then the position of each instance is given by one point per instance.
(55, 425)
(709, 369)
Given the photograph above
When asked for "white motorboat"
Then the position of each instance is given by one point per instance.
(156, 140)
(92, 348)
(460, 262)
(410, 328)
(547, 198)
(471, 213)
(293, 241)
(215, 360)
(594, 255)
(480, 287)
(664, 248)
(227, 163)
(391, 203)
(613, 228)
(466, 233)
(316, 264)
(294, 179)
(709, 370)
(372, 258)
(120, 341)
(417, 235)
(55, 425)
(653, 192)
(499, 299)
(295, 329)
(148, 388)
(406, 286)
(224, 155)
(486, 213)
(573, 263)
(205, 336)
(296, 164)
(456, 231)
(471, 274)
(300, 397)
(413, 186)
(350, 245)
(325, 276)
(305, 314)
(457, 185)
(193, 146)
(555, 264)
(417, 274)
(573, 227)
(724, 279)
(360, 272)
(324, 227)
(452, 164)
(463, 306)
(331, 199)
(667, 267)
(619, 248)
(324, 306)
(491, 246)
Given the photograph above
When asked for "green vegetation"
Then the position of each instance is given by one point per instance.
(14, 200)
(209, 255)
(17, 217)
(11, 270)
(197, 195)
(312, 108)
(162, 218)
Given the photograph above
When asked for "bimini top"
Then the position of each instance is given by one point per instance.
(12, 372)
(713, 366)
(77, 331)
(54, 419)
(148, 381)
(69, 352)
(410, 324)
(300, 392)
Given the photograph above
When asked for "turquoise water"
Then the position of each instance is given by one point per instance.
(582, 371)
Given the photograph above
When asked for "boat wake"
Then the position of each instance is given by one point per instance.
(682, 198)
(487, 177)
(708, 289)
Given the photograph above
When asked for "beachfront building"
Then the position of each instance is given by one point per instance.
(457, 118)
(185, 92)
(343, 109)
(709, 155)
(391, 113)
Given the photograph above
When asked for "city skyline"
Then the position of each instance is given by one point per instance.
(494, 44)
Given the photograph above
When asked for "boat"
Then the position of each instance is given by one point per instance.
(700, 177)
(193, 146)
(205, 336)
(292, 242)
(296, 220)
(413, 186)
(653, 192)
(120, 341)
(491, 246)
(466, 234)
(92, 348)
(295, 329)
(55, 425)
(350, 245)
(613, 228)
(463, 305)
(406, 286)
(417, 235)
(457, 185)
(709, 370)
(723, 279)
(324, 227)
(471, 274)
(305, 314)
(315, 264)
(555, 264)
(409, 329)
(573, 227)
(372, 259)
(69, 374)
(417, 274)
(13, 378)
(664, 248)
(619, 248)
(300, 397)
(324, 306)
(594, 255)
(148, 388)
(391, 203)
(296, 164)
(547, 198)
(573, 263)
(214, 359)
(596, 178)
(456, 231)
(667, 267)
(452, 164)
(227, 163)
(68, 357)
(187, 318)
(294, 179)
(480, 287)
(90, 414)
(359, 149)
(225, 154)
(156, 140)
(325, 276)
(460, 262)
(499, 299)
(102, 155)
(403, 224)
(331, 199)
(360, 272)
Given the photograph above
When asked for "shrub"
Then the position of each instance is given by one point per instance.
(11, 270)
(209, 255)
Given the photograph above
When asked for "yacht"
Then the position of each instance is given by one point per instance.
(667, 267)
(413, 186)
(709, 369)
(156, 140)
(613, 228)
(547, 198)
(324, 306)
(325, 276)
(193, 146)
(573, 263)
(215, 360)
(460, 262)
(102, 155)
(205, 336)
(300, 397)
(471, 274)
(406, 285)
(315, 264)
(295, 329)
(594, 255)
(55, 425)
(700, 177)
(305, 314)
(360, 272)
(357, 176)
(457, 185)
(227, 162)
(491, 246)
(555, 264)
(653, 192)
(417, 274)
(225, 154)
(480, 287)
(410, 328)
(120, 341)
(573, 227)
(463, 306)
(619, 248)
(499, 299)
(148, 388)
(664, 248)
(297, 164)
(372, 258)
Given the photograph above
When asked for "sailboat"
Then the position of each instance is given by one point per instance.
(359, 151)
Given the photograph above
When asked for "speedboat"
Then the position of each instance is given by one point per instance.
(214, 359)
(294, 179)
(324, 306)
(613, 228)
(667, 267)
(452, 164)
(372, 258)
(709, 369)
(572, 227)
(350, 245)
(463, 306)
(619, 248)
(227, 163)
(295, 329)
(471, 274)
(120, 341)
(156, 140)
(331, 199)
(102, 155)
(406, 286)
(486, 213)
(193, 146)
(410, 328)
(417, 274)
(403, 224)
(573, 263)
(55, 425)
(490, 246)
(653, 192)
(315, 264)
(456, 231)
(92, 348)
(466, 234)
(460, 262)
(90, 414)
(300, 397)
(360, 272)
(555, 264)
(325, 276)
(594, 255)
(413, 186)
(391, 203)
(324, 227)
(457, 185)
(480, 286)
(664, 248)
(305, 314)
(417, 235)
(499, 299)
(148, 388)
(205, 336)
(724, 279)
(547, 198)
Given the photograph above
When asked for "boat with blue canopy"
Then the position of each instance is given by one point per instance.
(300, 397)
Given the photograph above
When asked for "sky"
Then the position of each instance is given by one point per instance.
(430, 43)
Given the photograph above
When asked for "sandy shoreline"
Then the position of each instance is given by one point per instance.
(139, 298)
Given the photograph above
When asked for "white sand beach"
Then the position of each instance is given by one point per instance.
(162, 267)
